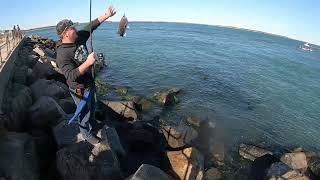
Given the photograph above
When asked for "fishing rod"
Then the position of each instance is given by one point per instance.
(91, 46)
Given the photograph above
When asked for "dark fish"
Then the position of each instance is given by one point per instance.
(123, 26)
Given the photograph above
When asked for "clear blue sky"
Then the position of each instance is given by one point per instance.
(298, 19)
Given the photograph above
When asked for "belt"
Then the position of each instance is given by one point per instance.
(78, 92)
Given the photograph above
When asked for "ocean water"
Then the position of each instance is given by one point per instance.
(260, 88)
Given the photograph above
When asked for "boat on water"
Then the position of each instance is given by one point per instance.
(306, 47)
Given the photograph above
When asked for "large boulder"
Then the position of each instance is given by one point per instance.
(125, 109)
(45, 112)
(19, 109)
(252, 152)
(168, 97)
(86, 162)
(187, 164)
(280, 171)
(18, 157)
(20, 75)
(212, 174)
(66, 135)
(43, 68)
(110, 137)
(146, 171)
(194, 121)
(45, 148)
(297, 161)
(68, 105)
(43, 87)
(179, 136)
(31, 60)
(260, 166)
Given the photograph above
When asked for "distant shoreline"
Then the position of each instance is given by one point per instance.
(231, 27)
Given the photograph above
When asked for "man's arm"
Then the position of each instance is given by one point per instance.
(70, 71)
(84, 34)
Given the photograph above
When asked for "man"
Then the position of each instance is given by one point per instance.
(14, 32)
(75, 63)
(19, 34)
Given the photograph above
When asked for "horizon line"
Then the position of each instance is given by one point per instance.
(178, 22)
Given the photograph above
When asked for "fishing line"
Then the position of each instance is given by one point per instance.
(91, 45)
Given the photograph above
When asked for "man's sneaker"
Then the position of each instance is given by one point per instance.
(92, 139)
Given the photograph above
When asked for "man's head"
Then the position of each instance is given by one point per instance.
(66, 31)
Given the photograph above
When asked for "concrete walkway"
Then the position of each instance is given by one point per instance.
(6, 49)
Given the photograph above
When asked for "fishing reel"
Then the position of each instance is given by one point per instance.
(101, 59)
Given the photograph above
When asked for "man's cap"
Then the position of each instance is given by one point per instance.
(63, 25)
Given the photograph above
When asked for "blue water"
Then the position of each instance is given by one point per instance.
(260, 87)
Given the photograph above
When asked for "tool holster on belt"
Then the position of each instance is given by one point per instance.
(79, 92)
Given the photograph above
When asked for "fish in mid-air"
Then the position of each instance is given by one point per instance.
(123, 26)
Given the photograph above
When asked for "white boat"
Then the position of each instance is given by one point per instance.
(306, 47)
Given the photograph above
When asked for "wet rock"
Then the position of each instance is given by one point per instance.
(296, 161)
(19, 109)
(66, 135)
(49, 88)
(298, 149)
(126, 109)
(260, 166)
(217, 153)
(179, 136)
(149, 172)
(121, 91)
(18, 157)
(212, 174)
(187, 164)
(194, 121)
(86, 162)
(314, 165)
(168, 97)
(252, 152)
(144, 104)
(277, 169)
(68, 105)
(110, 137)
(43, 69)
(280, 171)
(101, 87)
(45, 112)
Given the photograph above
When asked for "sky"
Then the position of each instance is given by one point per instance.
(297, 19)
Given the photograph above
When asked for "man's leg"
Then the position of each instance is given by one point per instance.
(84, 122)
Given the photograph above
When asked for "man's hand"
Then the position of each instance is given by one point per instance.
(91, 58)
(84, 67)
(110, 12)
